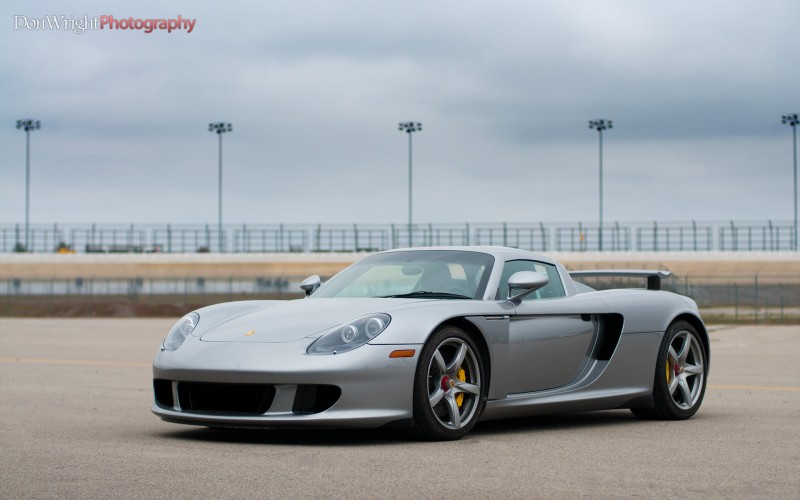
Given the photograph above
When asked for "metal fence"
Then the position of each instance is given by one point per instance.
(692, 236)
(731, 298)
(758, 298)
(122, 297)
(280, 287)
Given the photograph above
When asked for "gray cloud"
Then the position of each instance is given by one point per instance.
(315, 89)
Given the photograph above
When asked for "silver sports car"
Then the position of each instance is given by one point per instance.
(436, 339)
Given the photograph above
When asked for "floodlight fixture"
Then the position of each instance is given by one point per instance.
(600, 125)
(220, 128)
(28, 126)
(409, 128)
(792, 121)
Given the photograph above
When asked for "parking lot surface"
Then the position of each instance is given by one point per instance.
(75, 422)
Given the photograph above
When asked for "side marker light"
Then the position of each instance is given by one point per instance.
(403, 353)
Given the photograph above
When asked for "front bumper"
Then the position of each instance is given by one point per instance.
(375, 390)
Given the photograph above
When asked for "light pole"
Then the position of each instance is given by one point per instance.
(600, 125)
(220, 128)
(409, 128)
(27, 126)
(792, 121)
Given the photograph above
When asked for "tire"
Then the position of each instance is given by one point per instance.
(681, 375)
(449, 386)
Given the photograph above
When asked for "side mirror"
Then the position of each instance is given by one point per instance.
(310, 284)
(527, 281)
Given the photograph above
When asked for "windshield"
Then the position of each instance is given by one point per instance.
(447, 274)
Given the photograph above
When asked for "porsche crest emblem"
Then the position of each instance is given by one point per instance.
(249, 333)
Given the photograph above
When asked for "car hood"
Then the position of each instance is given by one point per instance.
(286, 321)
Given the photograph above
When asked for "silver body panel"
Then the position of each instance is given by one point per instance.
(541, 355)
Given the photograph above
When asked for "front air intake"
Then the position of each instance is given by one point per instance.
(311, 399)
(244, 399)
(162, 390)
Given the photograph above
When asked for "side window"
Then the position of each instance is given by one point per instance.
(554, 288)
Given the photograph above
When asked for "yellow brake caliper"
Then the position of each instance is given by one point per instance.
(668, 371)
(462, 376)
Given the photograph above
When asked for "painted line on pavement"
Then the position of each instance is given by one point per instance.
(74, 362)
(753, 387)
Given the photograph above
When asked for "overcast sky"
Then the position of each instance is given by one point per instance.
(315, 89)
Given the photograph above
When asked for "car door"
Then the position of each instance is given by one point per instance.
(551, 335)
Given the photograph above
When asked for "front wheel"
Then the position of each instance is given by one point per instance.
(680, 379)
(448, 386)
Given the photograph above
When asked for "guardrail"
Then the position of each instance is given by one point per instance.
(650, 236)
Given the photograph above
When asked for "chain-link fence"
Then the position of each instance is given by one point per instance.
(135, 296)
(764, 298)
(759, 298)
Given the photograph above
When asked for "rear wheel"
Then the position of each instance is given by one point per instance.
(448, 386)
(680, 379)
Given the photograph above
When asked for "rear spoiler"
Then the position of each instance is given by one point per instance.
(654, 277)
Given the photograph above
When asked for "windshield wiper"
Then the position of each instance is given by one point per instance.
(425, 294)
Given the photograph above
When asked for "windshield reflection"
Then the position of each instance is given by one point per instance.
(439, 274)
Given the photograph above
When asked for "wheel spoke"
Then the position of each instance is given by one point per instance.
(686, 393)
(673, 384)
(466, 387)
(672, 356)
(437, 396)
(452, 407)
(437, 357)
(694, 369)
(459, 359)
(685, 348)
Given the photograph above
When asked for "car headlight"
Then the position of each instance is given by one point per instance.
(182, 329)
(347, 337)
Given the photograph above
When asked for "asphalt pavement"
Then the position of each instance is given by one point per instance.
(75, 422)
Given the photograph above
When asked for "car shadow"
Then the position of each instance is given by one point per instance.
(370, 437)
(555, 422)
(294, 437)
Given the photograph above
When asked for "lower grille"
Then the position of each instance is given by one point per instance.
(245, 399)
(242, 399)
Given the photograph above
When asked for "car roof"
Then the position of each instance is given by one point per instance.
(500, 253)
